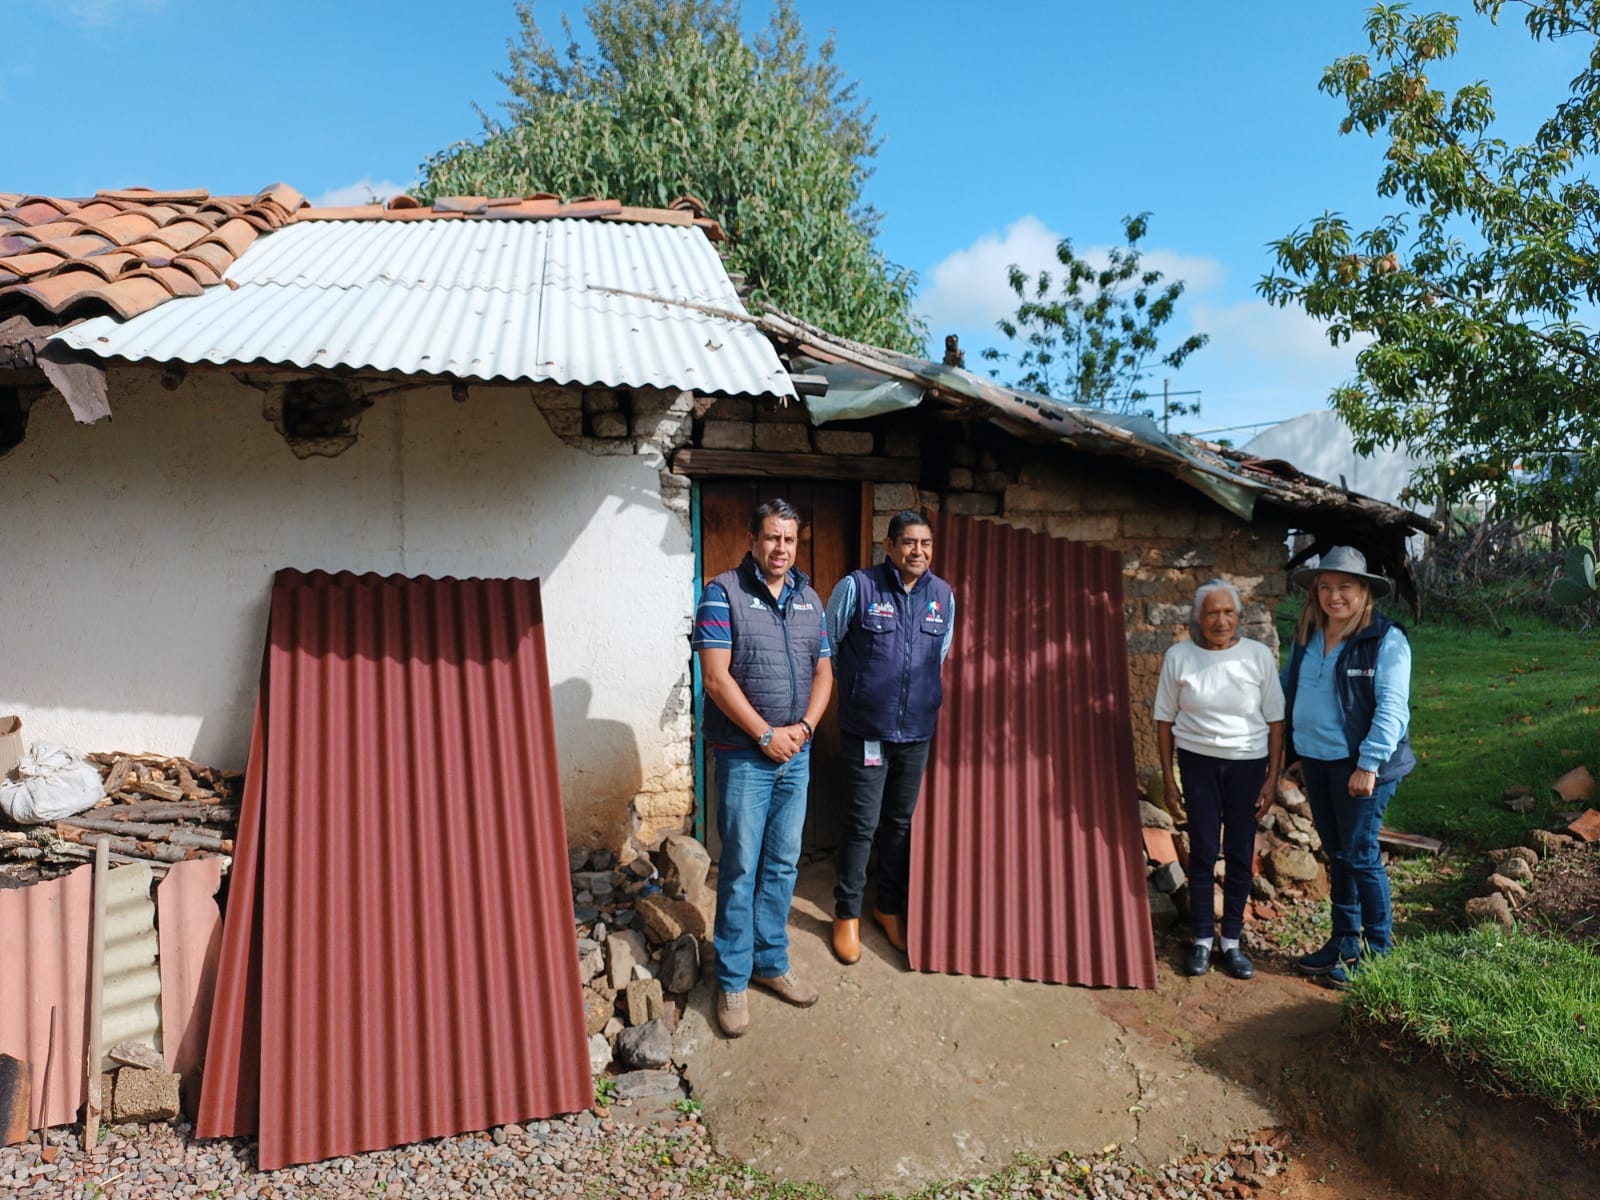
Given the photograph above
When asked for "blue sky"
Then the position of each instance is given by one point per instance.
(1004, 127)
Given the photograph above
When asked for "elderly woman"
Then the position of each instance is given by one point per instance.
(1220, 705)
(1348, 686)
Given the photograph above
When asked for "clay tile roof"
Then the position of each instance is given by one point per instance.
(126, 250)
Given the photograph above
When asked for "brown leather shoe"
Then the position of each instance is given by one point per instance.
(788, 986)
(891, 927)
(847, 939)
(733, 1014)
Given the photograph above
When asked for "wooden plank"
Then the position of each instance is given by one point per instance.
(744, 463)
(1408, 843)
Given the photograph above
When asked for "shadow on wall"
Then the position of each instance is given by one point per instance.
(600, 770)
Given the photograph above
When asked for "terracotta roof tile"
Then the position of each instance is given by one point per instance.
(127, 250)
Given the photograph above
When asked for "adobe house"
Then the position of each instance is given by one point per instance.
(509, 387)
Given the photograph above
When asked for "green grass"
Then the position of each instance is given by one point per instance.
(1518, 1014)
(1490, 710)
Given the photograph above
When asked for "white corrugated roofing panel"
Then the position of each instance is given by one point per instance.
(477, 299)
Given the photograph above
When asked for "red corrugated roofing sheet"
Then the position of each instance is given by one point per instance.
(1026, 854)
(412, 924)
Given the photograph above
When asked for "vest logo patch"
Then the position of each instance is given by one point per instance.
(755, 602)
(1364, 674)
(881, 608)
(933, 612)
(803, 606)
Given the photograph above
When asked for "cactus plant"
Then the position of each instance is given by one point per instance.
(1577, 586)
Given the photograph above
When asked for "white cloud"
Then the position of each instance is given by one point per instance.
(1293, 346)
(363, 191)
(968, 289)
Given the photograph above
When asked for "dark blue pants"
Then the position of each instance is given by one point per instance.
(1357, 879)
(1220, 795)
(878, 805)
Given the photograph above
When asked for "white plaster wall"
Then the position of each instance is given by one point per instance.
(136, 558)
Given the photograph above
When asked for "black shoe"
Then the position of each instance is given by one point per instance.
(1236, 963)
(1198, 961)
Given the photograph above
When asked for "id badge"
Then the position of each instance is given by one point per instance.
(872, 754)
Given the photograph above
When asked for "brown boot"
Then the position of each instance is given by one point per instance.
(733, 1013)
(847, 939)
(891, 928)
(788, 986)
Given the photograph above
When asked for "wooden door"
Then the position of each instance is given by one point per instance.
(830, 547)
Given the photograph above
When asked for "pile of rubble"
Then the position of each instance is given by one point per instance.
(1509, 879)
(643, 933)
(1290, 866)
(157, 809)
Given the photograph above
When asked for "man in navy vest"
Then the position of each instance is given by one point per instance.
(762, 638)
(891, 626)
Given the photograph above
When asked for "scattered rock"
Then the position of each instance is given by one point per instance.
(597, 1010)
(1168, 877)
(1519, 798)
(636, 1085)
(680, 965)
(690, 865)
(1546, 843)
(1262, 888)
(1293, 799)
(1292, 864)
(1163, 908)
(644, 1001)
(137, 1054)
(1587, 826)
(1152, 817)
(599, 1053)
(1523, 852)
(596, 883)
(1513, 891)
(624, 948)
(646, 1045)
(1487, 910)
(591, 964)
(1574, 788)
(668, 920)
(577, 858)
(1159, 846)
(145, 1096)
(1515, 868)
(602, 860)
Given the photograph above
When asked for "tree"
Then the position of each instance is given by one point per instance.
(672, 101)
(1083, 336)
(1475, 296)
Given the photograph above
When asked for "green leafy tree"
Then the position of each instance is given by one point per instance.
(1478, 297)
(673, 100)
(1091, 334)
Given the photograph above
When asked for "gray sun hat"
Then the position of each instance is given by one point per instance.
(1348, 560)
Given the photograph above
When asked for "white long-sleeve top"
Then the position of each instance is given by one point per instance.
(1220, 702)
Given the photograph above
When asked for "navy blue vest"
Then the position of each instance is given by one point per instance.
(887, 665)
(1355, 688)
(774, 653)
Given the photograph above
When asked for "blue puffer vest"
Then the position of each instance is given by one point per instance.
(1355, 688)
(890, 686)
(774, 652)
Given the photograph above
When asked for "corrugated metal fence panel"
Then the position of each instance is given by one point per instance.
(44, 946)
(538, 300)
(191, 935)
(1026, 855)
(417, 966)
(131, 996)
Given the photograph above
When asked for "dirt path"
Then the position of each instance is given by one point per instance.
(896, 1079)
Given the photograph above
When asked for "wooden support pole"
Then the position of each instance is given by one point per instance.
(97, 981)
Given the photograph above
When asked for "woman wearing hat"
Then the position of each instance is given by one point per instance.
(1348, 691)
(1220, 706)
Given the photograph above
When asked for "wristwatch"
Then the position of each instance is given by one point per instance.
(765, 739)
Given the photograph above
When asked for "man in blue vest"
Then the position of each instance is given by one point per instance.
(892, 626)
(762, 638)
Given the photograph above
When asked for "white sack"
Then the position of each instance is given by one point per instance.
(52, 782)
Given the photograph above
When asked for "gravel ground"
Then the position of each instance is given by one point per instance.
(584, 1155)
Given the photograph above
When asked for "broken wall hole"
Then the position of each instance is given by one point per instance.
(14, 406)
(317, 417)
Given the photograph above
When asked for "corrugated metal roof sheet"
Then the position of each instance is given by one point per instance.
(191, 936)
(411, 918)
(131, 991)
(558, 300)
(44, 944)
(1027, 860)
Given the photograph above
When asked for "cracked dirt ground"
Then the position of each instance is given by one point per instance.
(896, 1078)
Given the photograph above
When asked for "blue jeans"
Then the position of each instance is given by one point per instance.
(761, 813)
(1221, 795)
(1348, 826)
